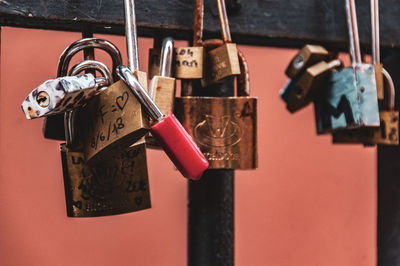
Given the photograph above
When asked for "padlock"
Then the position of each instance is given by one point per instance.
(306, 88)
(187, 61)
(388, 132)
(53, 126)
(162, 87)
(307, 56)
(223, 61)
(114, 186)
(63, 94)
(115, 118)
(376, 60)
(225, 128)
(350, 98)
(168, 132)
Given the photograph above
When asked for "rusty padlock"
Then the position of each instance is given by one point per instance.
(222, 61)
(116, 185)
(225, 128)
(53, 126)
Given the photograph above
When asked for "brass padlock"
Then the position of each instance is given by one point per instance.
(225, 129)
(308, 84)
(114, 118)
(162, 87)
(306, 57)
(53, 126)
(116, 185)
(223, 61)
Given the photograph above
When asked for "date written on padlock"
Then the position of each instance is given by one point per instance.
(169, 133)
(187, 62)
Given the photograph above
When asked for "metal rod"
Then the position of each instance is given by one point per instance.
(167, 51)
(352, 27)
(223, 19)
(376, 58)
(131, 35)
(198, 23)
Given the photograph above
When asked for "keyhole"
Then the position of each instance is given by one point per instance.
(298, 62)
(43, 99)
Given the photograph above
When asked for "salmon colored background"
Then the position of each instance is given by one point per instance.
(309, 203)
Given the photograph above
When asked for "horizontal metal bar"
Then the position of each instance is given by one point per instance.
(282, 23)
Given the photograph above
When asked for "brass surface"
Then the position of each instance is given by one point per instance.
(307, 86)
(220, 63)
(307, 56)
(112, 118)
(379, 81)
(387, 133)
(187, 63)
(114, 186)
(225, 129)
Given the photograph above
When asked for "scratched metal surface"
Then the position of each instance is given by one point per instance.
(260, 22)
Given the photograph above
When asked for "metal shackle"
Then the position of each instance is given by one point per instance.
(107, 78)
(354, 42)
(167, 53)
(131, 35)
(376, 57)
(390, 101)
(223, 20)
(79, 45)
(143, 97)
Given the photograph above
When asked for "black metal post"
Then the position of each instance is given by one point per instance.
(389, 185)
(211, 207)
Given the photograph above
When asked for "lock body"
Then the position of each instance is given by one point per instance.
(348, 101)
(187, 62)
(114, 186)
(225, 129)
(379, 81)
(112, 118)
(387, 133)
(308, 85)
(221, 62)
(307, 56)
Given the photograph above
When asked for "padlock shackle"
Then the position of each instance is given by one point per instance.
(131, 35)
(354, 41)
(223, 19)
(391, 93)
(96, 65)
(167, 53)
(375, 41)
(74, 48)
(69, 127)
(198, 23)
(143, 97)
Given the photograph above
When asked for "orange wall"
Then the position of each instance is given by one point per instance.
(309, 203)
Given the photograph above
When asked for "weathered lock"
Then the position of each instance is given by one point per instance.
(307, 56)
(115, 118)
(350, 98)
(388, 132)
(116, 185)
(224, 128)
(306, 88)
(376, 60)
(162, 86)
(53, 126)
(223, 61)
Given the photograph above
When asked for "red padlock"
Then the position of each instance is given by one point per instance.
(170, 134)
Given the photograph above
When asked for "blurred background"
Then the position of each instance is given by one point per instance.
(309, 203)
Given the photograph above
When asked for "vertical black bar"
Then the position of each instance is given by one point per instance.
(211, 206)
(389, 185)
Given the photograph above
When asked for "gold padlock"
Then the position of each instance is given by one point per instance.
(162, 87)
(225, 129)
(223, 61)
(116, 185)
(114, 118)
(308, 84)
(306, 57)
